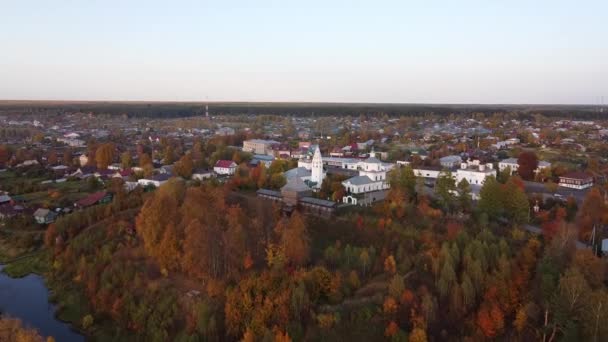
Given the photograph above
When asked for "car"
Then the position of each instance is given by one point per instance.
(558, 196)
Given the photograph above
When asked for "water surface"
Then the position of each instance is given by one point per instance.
(27, 298)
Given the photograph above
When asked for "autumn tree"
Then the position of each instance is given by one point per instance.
(184, 166)
(592, 212)
(157, 213)
(4, 154)
(68, 157)
(52, 157)
(295, 240)
(527, 163)
(125, 160)
(11, 329)
(104, 155)
(144, 160)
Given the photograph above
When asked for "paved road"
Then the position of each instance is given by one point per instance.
(539, 188)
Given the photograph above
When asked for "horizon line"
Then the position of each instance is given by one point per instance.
(6, 101)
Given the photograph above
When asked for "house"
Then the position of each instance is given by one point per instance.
(104, 173)
(72, 135)
(44, 216)
(281, 151)
(28, 163)
(576, 180)
(124, 174)
(365, 145)
(450, 162)
(225, 131)
(508, 163)
(100, 197)
(475, 172)
(84, 172)
(201, 174)
(166, 169)
(514, 165)
(506, 143)
(363, 184)
(371, 179)
(260, 158)
(130, 186)
(428, 172)
(60, 169)
(225, 167)
(259, 146)
(156, 180)
(5, 199)
(83, 159)
(8, 210)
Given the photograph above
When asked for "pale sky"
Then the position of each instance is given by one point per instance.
(425, 51)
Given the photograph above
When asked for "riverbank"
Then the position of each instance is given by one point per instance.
(32, 263)
(68, 309)
(27, 298)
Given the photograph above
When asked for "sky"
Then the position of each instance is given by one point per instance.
(424, 51)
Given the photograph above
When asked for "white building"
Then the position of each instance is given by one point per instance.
(508, 163)
(450, 162)
(225, 131)
(576, 180)
(201, 175)
(512, 163)
(83, 159)
(474, 172)
(156, 180)
(363, 184)
(225, 167)
(427, 172)
(259, 146)
(317, 175)
(372, 177)
(506, 143)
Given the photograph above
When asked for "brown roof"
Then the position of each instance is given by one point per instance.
(577, 175)
(91, 199)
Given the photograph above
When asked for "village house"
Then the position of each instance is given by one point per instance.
(450, 162)
(156, 180)
(100, 197)
(475, 172)
(44, 216)
(259, 146)
(514, 165)
(83, 159)
(576, 180)
(201, 174)
(225, 167)
(266, 160)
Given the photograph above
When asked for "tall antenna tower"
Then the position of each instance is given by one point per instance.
(207, 107)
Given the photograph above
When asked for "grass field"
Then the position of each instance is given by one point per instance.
(36, 262)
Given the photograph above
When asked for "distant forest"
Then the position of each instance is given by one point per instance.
(185, 109)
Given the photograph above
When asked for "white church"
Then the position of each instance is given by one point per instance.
(372, 174)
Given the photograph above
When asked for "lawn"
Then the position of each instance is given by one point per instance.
(37, 263)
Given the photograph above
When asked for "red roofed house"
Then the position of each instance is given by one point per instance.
(225, 167)
(576, 180)
(95, 198)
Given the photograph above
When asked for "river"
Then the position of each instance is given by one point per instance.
(27, 298)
